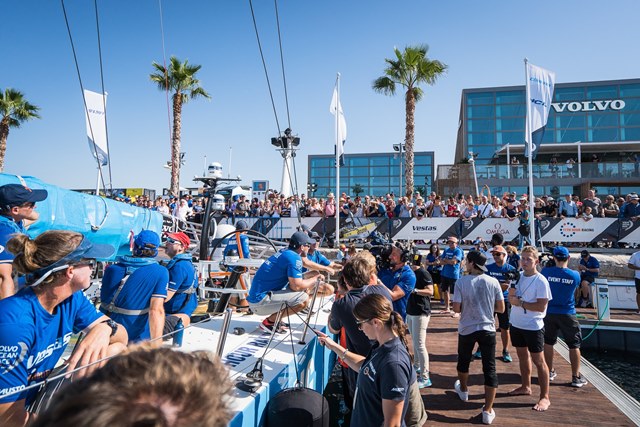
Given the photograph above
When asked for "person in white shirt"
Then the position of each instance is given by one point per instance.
(529, 300)
(182, 210)
(634, 264)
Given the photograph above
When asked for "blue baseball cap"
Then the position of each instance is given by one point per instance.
(17, 194)
(561, 252)
(147, 239)
(241, 225)
(300, 238)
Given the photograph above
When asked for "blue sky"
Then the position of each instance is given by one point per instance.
(483, 43)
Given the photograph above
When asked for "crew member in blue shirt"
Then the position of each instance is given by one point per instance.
(17, 206)
(497, 270)
(278, 286)
(135, 288)
(315, 261)
(589, 269)
(400, 280)
(182, 299)
(450, 259)
(37, 323)
(561, 314)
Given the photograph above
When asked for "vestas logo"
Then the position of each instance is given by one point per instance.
(575, 106)
(425, 228)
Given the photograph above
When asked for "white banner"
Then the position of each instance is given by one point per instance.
(424, 229)
(540, 83)
(577, 230)
(490, 226)
(97, 125)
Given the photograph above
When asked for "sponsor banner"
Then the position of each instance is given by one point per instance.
(485, 228)
(423, 229)
(629, 231)
(577, 229)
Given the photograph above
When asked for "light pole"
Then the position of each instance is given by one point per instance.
(399, 148)
(472, 160)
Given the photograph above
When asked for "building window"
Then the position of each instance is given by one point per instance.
(321, 161)
(604, 135)
(379, 161)
(510, 124)
(599, 120)
(481, 138)
(570, 135)
(480, 125)
(480, 111)
(630, 90)
(602, 92)
(358, 161)
(480, 98)
(511, 110)
(574, 120)
(511, 97)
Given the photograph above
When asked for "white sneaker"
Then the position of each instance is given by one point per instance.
(488, 417)
(463, 395)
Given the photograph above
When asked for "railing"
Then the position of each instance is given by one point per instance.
(615, 170)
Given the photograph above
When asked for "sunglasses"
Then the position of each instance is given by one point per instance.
(359, 323)
(29, 205)
(91, 263)
(172, 241)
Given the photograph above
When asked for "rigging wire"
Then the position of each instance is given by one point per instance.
(166, 77)
(104, 101)
(284, 78)
(84, 100)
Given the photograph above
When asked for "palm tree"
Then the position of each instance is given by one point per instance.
(409, 69)
(14, 110)
(357, 189)
(181, 80)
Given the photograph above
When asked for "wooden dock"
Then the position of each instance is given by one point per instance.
(569, 406)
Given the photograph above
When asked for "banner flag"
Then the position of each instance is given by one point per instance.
(341, 124)
(97, 125)
(540, 84)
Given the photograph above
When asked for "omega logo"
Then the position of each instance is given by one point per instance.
(575, 106)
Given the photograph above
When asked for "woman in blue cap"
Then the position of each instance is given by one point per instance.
(37, 323)
(135, 288)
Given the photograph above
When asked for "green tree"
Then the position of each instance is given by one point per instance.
(14, 110)
(180, 79)
(409, 69)
(357, 189)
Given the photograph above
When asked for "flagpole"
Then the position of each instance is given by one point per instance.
(532, 231)
(337, 198)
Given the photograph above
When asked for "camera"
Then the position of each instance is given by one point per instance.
(546, 260)
(417, 259)
(381, 249)
(513, 276)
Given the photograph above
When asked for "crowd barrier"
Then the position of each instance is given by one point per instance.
(574, 230)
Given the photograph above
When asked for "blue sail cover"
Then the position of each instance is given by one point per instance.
(100, 219)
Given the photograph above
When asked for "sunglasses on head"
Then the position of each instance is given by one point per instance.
(359, 323)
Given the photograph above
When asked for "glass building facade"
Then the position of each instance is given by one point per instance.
(376, 173)
(603, 117)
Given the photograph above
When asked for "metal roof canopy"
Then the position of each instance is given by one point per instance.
(572, 147)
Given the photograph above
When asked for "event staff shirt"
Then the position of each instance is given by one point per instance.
(452, 271)
(232, 244)
(386, 373)
(498, 273)
(318, 258)
(563, 283)
(32, 339)
(146, 282)
(274, 273)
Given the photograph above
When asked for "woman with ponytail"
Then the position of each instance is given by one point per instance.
(386, 373)
(37, 323)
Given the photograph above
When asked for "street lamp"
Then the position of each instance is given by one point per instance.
(399, 148)
(472, 160)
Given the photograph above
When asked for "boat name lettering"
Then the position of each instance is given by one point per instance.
(575, 106)
(241, 354)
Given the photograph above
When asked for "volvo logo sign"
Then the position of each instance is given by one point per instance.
(574, 107)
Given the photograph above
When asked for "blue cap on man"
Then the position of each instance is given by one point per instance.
(561, 252)
(18, 194)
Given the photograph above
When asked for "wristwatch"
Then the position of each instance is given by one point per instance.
(113, 325)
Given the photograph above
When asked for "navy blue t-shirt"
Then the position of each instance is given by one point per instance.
(182, 277)
(386, 373)
(146, 282)
(563, 283)
(32, 339)
(342, 317)
(232, 244)
(591, 263)
(498, 272)
(274, 273)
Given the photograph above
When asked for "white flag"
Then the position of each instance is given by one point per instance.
(97, 125)
(341, 124)
(540, 83)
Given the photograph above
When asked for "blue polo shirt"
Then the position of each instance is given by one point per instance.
(145, 282)
(452, 271)
(318, 258)
(591, 263)
(182, 278)
(32, 339)
(8, 227)
(274, 273)
(405, 278)
(563, 283)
